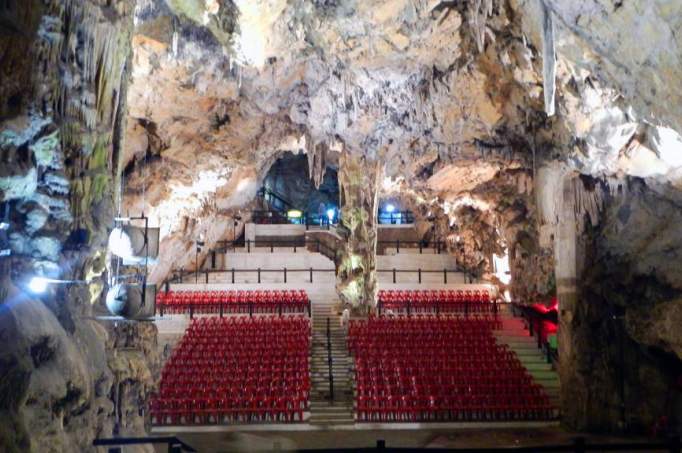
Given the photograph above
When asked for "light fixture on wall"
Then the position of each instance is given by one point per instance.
(389, 208)
(38, 284)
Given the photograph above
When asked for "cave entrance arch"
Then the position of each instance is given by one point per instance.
(288, 191)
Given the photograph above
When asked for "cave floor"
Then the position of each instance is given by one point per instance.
(366, 438)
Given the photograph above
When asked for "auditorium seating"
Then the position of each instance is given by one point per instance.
(445, 368)
(442, 301)
(236, 369)
(214, 302)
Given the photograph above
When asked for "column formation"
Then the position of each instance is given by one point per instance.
(356, 280)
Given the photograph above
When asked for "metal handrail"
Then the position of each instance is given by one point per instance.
(227, 246)
(329, 360)
(579, 445)
(531, 317)
(178, 276)
(174, 444)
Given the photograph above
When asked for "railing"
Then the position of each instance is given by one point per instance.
(174, 444)
(280, 217)
(395, 218)
(295, 244)
(467, 278)
(179, 276)
(275, 200)
(242, 308)
(579, 445)
(444, 307)
(203, 277)
(329, 361)
(438, 247)
(535, 321)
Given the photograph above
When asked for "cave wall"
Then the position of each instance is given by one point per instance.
(64, 380)
(620, 359)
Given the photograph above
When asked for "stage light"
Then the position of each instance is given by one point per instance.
(389, 208)
(330, 214)
(38, 285)
(120, 243)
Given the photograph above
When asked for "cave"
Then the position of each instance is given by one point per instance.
(288, 187)
(239, 225)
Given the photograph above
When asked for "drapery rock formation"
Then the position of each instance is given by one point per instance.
(453, 94)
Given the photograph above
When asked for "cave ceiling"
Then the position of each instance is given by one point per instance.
(447, 95)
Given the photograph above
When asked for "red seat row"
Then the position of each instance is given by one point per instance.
(228, 370)
(213, 302)
(445, 301)
(439, 369)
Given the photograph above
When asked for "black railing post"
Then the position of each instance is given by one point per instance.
(311, 275)
(445, 276)
(251, 309)
(221, 307)
(310, 309)
(397, 246)
(279, 308)
(259, 275)
(285, 275)
(233, 275)
(394, 275)
(438, 246)
(248, 246)
(213, 259)
(420, 246)
(207, 277)
(379, 304)
(579, 445)
(272, 247)
(191, 311)
(329, 360)
(409, 307)
(466, 308)
(419, 273)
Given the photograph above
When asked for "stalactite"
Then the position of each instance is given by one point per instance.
(548, 58)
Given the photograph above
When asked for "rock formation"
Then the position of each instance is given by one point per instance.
(443, 105)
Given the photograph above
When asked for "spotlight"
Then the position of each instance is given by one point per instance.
(4, 225)
(330, 214)
(390, 208)
(38, 285)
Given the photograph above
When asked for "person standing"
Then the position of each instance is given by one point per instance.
(321, 212)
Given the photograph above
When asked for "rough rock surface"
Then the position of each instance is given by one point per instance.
(62, 110)
(444, 99)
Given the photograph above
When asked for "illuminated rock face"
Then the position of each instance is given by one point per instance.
(62, 109)
(439, 104)
(359, 183)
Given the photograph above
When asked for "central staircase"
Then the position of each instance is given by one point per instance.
(324, 410)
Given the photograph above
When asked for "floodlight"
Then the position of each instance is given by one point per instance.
(38, 285)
